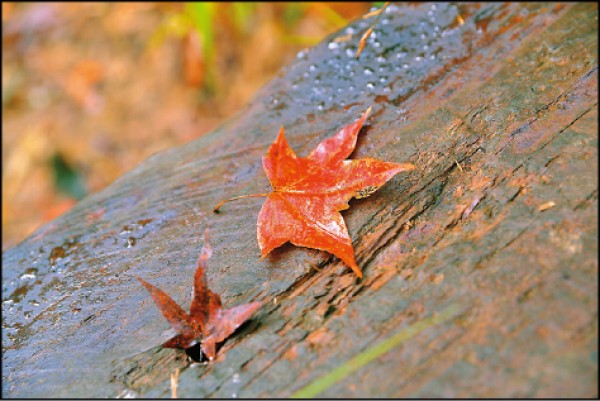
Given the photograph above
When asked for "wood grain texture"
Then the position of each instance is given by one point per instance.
(498, 114)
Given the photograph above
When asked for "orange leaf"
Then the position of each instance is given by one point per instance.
(309, 192)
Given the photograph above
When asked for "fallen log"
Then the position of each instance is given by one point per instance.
(480, 266)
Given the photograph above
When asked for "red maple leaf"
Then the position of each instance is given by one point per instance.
(308, 193)
(207, 322)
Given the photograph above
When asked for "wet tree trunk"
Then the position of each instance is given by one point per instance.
(480, 266)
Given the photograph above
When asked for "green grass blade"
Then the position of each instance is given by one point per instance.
(202, 15)
(324, 382)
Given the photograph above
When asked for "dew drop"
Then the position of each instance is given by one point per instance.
(333, 45)
(368, 71)
(127, 393)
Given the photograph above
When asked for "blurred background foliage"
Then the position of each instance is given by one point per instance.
(89, 90)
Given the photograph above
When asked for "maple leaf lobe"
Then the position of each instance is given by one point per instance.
(309, 192)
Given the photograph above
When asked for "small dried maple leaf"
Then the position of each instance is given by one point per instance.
(308, 193)
(207, 322)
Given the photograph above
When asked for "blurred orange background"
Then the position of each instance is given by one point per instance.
(89, 90)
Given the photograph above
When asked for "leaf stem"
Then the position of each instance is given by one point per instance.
(216, 209)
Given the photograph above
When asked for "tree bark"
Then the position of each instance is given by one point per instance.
(480, 266)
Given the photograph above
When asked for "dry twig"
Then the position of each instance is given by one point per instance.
(363, 40)
(174, 382)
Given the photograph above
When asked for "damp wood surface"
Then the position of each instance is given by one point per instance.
(480, 266)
